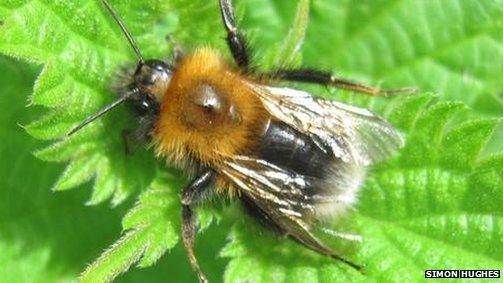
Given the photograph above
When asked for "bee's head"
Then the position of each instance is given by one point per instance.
(148, 85)
(144, 88)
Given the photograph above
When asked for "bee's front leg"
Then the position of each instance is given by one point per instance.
(178, 52)
(235, 39)
(195, 192)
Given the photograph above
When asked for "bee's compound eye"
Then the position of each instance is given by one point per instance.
(146, 104)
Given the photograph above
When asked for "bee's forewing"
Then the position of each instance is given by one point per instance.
(354, 134)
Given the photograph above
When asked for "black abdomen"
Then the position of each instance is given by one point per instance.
(288, 148)
(295, 152)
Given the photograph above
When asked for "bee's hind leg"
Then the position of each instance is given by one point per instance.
(193, 193)
(327, 79)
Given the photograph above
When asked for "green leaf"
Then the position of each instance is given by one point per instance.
(44, 237)
(462, 145)
(450, 47)
(437, 205)
(295, 38)
(150, 231)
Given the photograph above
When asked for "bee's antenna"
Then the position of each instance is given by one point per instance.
(128, 35)
(100, 113)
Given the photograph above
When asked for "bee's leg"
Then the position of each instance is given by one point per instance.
(327, 79)
(303, 238)
(259, 214)
(315, 245)
(193, 193)
(235, 39)
(138, 135)
(127, 139)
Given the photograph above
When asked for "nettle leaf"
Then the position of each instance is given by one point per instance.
(40, 239)
(293, 42)
(437, 205)
(150, 230)
(449, 47)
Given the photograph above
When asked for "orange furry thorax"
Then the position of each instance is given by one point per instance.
(207, 113)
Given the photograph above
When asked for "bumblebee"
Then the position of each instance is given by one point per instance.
(296, 161)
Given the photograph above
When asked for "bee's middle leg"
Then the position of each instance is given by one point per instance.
(327, 79)
(194, 193)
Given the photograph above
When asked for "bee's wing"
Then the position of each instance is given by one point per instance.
(353, 134)
(292, 202)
